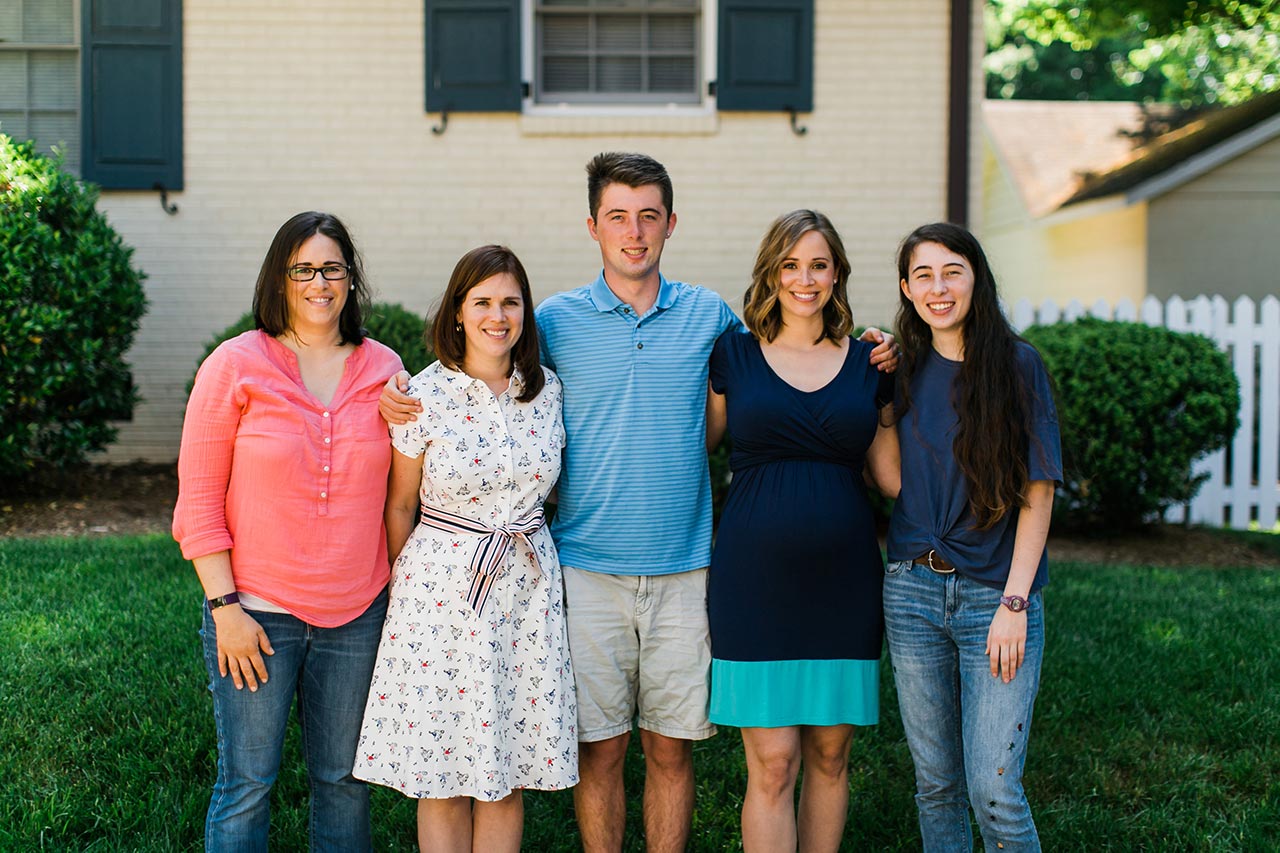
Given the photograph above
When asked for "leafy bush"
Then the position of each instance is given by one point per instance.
(387, 323)
(402, 330)
(70, 302)
(1136, 406)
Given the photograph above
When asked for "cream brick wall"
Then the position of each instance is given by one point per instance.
(300, 104)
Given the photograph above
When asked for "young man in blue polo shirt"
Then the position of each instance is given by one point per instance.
(633, 526)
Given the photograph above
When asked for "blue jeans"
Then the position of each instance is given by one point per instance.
(329, 670)
(967, 731)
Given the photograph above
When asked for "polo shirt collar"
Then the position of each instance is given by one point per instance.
(606, 300)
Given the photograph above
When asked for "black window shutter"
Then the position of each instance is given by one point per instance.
(473, 55)
(766, 55)
(131, 110)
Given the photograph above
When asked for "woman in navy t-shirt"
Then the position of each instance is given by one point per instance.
(980, 457)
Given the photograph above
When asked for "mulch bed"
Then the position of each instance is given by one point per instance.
(112, 500)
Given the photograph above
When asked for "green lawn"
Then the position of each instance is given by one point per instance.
(1157, 726)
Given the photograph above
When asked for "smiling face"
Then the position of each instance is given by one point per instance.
(631, 226)
(939, 284)
(806, 279)
(492, 318)
(314, 307)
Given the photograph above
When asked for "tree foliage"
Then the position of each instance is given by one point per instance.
(70, 302)
(1193, 53)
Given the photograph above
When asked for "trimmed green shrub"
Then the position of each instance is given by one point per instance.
(386, 322)
(1137, 406)
(402, 330)
(70, 302)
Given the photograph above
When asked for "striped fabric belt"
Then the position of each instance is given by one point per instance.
(489, 560)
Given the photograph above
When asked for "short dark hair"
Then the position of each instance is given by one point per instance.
(271, 306)
(450, 342)
(760, 310)
(632, 170)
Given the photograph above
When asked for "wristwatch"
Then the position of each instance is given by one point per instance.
(224, 600)
(1016, 603)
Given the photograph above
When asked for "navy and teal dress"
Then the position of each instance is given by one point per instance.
(794, 596)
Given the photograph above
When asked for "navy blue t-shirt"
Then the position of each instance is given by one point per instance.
(933, 509)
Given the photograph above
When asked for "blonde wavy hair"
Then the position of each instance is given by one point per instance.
(760, 309)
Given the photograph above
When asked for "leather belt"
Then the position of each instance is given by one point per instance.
(935, 562)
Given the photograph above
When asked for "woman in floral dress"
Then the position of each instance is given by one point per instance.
(472, 697)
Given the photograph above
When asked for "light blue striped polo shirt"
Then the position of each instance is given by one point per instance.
(635, 497)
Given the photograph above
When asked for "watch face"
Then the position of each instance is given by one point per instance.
(1014, 602)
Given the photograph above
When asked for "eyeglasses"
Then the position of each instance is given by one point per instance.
(334, 272)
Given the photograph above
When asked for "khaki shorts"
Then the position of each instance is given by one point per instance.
(641, 651)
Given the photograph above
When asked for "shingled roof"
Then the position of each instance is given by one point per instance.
(1060, 153)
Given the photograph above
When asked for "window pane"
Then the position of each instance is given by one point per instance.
(47, 22)
(10, 21)
(618, 33)
(14, 124)
(61, 129)
(53, 81)
(671, 74)
(616, 51)
(13, 80)
(565, 33)
(618, 74)
(671, 33)
(566, 74)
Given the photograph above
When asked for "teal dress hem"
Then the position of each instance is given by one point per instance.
(774, 693)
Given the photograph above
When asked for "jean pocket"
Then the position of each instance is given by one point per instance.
(896, 567)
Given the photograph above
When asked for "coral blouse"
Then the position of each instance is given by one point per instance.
(294, 489)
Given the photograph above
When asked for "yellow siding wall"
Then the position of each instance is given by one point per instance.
(1099, 254)
(300, 104)
(1095, 257)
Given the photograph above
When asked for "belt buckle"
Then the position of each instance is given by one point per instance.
(935, 569)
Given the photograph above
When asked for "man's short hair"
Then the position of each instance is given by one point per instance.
(632, 170)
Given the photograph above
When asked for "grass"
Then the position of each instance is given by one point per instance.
(1157, 725)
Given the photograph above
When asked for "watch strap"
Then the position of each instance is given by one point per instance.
(224, 600)
(1016, 603)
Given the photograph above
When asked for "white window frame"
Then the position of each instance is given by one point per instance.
(704, 106)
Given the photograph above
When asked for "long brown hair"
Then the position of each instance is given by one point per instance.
(990, 396)
(760, 311)
(450, 343)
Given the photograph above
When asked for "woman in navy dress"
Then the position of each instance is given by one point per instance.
(794, 595)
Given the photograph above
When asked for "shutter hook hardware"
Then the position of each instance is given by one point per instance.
(165, 205)
(444, 122)
(795, 127)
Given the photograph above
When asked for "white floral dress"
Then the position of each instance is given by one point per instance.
(465, 703)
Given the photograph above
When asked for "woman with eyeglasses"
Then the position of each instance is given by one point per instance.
(282, 481)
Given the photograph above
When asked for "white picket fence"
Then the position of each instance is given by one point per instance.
(1244, 484)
